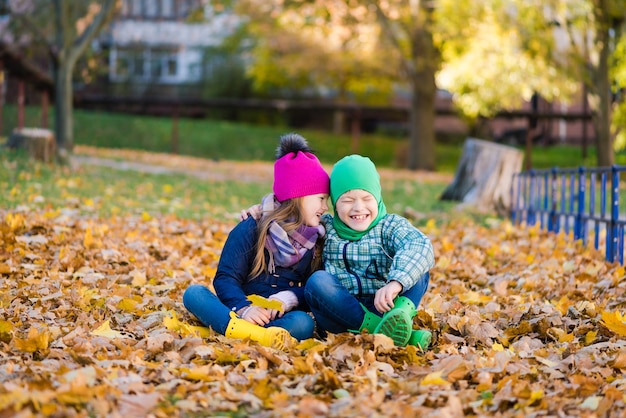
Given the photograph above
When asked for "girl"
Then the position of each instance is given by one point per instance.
(272, 258)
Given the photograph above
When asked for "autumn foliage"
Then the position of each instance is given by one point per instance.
(525, 323)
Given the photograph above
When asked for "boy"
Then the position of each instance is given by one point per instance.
(376, 265)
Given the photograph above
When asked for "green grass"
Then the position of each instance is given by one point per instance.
(219, 140)
(105, 192)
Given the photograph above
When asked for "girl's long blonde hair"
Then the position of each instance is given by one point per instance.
(289, 216)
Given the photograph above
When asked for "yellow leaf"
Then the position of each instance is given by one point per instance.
(265, 303)
(447, 245)
(536, 395)
(434, 379)
(590, 337)
(199, 373)
(33, 342)
(497, 347)
(473, 298)
(592, 403)
(15, 220)
(5, 326)
(443, 262)
(145, 216)
(105, 330)
(88, 240)
(127, 304)
(5, 268)
(172, 323)
(614, 321)
(569, 266)
(139, 278)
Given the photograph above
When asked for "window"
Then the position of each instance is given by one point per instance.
(167, 9)
(151, 8)
(122, 66)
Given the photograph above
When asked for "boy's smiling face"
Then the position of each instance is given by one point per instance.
(357, 209)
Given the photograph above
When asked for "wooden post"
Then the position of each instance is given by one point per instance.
(44, 109)
(1, 95)
(355, 128)
(20, 104)
(174, 134)
(585, 110)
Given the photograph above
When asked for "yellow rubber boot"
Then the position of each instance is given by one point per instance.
(274, 337)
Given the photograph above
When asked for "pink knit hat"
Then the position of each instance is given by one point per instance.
(298, 174)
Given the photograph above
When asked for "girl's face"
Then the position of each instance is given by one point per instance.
(313, 207)
(357, 209)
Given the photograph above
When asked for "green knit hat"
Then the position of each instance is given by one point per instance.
(350, 173)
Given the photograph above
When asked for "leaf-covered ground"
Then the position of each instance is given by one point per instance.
(525, 324)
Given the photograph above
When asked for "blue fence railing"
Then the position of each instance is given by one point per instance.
(584, 202)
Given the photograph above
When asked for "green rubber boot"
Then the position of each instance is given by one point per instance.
(397, 323)
(370, 322)
(420, 338)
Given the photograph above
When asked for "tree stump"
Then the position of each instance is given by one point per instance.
(38, 143)
(484, 176)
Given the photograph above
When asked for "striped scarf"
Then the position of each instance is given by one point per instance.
(287, 248)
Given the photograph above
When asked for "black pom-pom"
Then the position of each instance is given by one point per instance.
(292, 142)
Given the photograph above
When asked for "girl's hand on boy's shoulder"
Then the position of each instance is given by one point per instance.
(384, 297)
(254, 211)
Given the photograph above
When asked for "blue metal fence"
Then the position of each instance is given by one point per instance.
(584, 202)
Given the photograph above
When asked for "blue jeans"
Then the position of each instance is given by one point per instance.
(336, 310)
(208, 308)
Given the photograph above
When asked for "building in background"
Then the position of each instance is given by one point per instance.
(165, 47)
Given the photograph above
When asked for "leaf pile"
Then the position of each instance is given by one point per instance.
(524, 324)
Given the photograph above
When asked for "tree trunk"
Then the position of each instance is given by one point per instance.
(422, 132)
(600, 89)
(484, 176)
(63, 125)
(68, 47)
(425, 63)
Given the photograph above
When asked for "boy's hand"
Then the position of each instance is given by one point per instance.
(383, 300)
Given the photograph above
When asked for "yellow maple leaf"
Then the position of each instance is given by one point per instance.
(590, 337)
(5, 268)
(171, 322)
(434, 378)
(265, 303)
(104, 330)
(15, 220)
(127, 304)
(139, 278)
(88, 240)
(614, 321)
(5, 326)
(473, 298)
(497, 347)
(34, 341)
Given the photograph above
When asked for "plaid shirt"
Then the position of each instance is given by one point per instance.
(393, 250)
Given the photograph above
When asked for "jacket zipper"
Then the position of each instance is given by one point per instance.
(345, 261)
